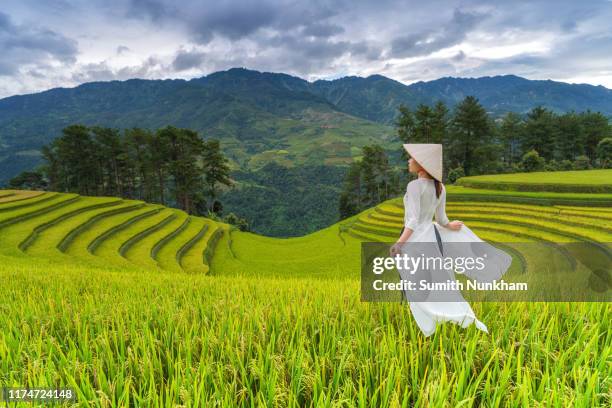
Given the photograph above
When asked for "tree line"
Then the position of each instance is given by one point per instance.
(171, 166)
(476, 143)
(369, 181)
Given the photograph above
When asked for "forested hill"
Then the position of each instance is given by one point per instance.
(257, 115)
(377, 97)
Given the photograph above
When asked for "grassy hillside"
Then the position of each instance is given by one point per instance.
(580, 181)
(136, 304)
(258, 118)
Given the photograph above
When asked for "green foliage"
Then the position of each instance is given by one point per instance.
(604, 152)
(470, 133)
(425, 125)
(138, 164)
(367, 182)
(566, 165)
(552, 165)
(510, 135)
(233, 219)
(455, 174)
(540, 132)
(481, 146)
(569, 124)
(582, 163)
(182, 151)
(532, 161)
(29, 180)
(215, 167)
(285, 202)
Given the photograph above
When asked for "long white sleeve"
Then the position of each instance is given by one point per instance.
(440, 213)
(412, 205)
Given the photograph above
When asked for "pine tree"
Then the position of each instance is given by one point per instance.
(351, 197)
(52, 168)
(439, 123)
(376, 174)
(216, 169)
(76, 152)
(405, 126)
(424, 119)
(158, 148)
(510, 135)
(109, 155)
(569, 137)
(184, 147)
(470, 128)
(540, 132)
(596, 127)
(137, 142)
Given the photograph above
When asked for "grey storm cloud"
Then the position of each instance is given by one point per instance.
(101, 71)
(188, 59)
(322, 30)
(239, 19)
(21, 45)
(429, 41)
(317, 38)
(122, 49)
(155, 9)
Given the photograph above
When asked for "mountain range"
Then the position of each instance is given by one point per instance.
(262, 116)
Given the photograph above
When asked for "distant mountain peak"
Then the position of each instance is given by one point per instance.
(259, 108)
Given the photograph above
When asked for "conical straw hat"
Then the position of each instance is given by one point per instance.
(428, 155)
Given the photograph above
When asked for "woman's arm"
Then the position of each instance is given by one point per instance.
(440, 214)
(412, 207)
(406, 233)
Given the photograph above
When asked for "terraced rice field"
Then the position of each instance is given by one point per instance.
(578, 181)
(136, 304)
(503, 223)
(557, 223)
(102, 231)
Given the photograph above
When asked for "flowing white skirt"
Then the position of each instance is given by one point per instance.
(428, 313)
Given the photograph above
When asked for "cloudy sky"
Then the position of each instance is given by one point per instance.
(52, 43)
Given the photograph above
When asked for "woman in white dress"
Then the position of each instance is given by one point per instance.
(425, 198)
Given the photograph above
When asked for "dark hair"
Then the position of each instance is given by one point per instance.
(438, 188)
(437, 184)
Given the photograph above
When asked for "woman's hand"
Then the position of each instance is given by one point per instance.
(454, 225)
(395, 249)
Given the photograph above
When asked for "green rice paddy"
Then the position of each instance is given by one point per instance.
(135, 304)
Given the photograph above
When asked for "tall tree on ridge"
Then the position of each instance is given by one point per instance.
(510, 135)
(158, 148)
(109, 155)
(376, 174)
(406, 128)
(76, 152)
(569, 137)
(470, 129)
(424, 118)
(216, 169)
(184, 149)
(596, 127)
(439, 129)
(540, 132)
(351, 198)
(52, 168)
(136, 143)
